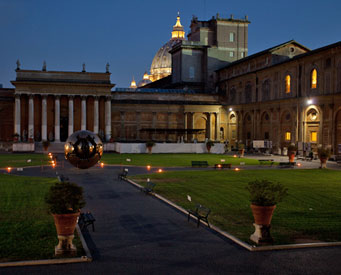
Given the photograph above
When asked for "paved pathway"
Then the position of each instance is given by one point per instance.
(138, 234)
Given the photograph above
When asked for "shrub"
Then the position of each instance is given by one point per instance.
(323, 153)
(266, 193)
(65, 198)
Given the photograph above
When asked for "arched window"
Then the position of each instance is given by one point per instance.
(248, 93)
(266, 87)
(314, 79)
(287, 84)
(233, 95)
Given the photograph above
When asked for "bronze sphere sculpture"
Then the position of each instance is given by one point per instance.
(83, 149)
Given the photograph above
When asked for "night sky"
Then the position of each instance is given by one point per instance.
(127, 34)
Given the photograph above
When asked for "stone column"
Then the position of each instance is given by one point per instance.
(17, 117)
(122, 131)
(96, 115)
(83, 120)
(57, 119)
(208, 126)
(108, 118)
(44, 118)
(154, 124)
(217, 126)
(30, 117)
(138, 126)
(185, 126)
(192, 126)
(70, 130)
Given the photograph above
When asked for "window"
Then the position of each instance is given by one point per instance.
(287, 84)
(266, 87)
(191, 72)
(266, 135)
(314, 79)
(287, 136)
(242, 56)
(231, 54)
(231, 36)
(313, 136)
(248, 93)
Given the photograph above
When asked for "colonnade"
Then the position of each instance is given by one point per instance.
(57, 125)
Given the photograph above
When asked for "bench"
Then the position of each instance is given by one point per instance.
(222, 165)
(287, 164)
(200, 212)
(199, 163)
(86, 219)
(149, 189)
(123, 175)
(265, 161)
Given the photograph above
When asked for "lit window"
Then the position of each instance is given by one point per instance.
(287, 84)
(287, 136)
(231, 37)
(231, 54)
(242, 55)
(314, 79)
(313, 137)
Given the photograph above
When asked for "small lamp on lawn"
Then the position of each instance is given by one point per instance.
(9, 169)
(148, 167)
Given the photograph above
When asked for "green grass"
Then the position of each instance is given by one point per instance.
(20, 160)
(311, 211)
(172, 160)
(27, 231)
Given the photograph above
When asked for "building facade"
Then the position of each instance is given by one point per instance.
(285, 94)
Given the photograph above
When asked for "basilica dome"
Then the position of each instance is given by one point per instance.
(162, 62)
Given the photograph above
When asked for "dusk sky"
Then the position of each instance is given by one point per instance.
(127, 34)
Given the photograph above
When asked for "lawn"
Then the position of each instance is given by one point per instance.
(22, 160)
(27, 231)
(311, 211)
(172, 160)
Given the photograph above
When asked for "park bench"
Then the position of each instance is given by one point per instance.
(287, 164)
(86, 219)
(199, 163)
(199, 211)
(149, 189)
(266, 161)
(123, 175)
(222, 165)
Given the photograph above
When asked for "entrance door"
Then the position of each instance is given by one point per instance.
(64, 122)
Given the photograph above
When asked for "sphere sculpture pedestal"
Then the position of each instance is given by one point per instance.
(83, 149)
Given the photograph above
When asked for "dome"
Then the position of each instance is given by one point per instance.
(144, 81)
(133, 84)
(162, 62)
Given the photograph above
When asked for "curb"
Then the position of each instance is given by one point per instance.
(82, 259)
(249, 247)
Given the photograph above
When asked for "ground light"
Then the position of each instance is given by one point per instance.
(219, 165)
(102, 164)
(160, 170)
(298, 164)
(148, 167)
(9, 169)
(234, 156)
(236, 169)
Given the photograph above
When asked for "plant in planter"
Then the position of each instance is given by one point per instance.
(241, 149)
(209, 145)
(46, 144)
(264, 195)
(16, 137)
(292, 152)
(324, 154)
(64, 200)
(150, 144)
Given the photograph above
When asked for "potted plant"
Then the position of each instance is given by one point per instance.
(16, 137)
(64, 200)
(46, 144)
(209, 145)
(264, 196)
(323, 154)
(241, 149)
(292, 152)
(150, 144)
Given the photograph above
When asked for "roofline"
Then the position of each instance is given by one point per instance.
(264, 52)
(295, 58)
(40, 71)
